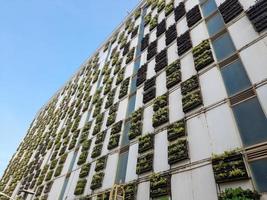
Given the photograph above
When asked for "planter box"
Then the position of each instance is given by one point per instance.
(144, 163)
(179, 11)
(130, 191)
(100, 137)
(159, 185)
(126, 49)
(124, 88)
(257, 15)
(229, 167)
(161, 28)
(146, 143)
(192, 101)
(113, 141)
(230, 9)
(161, 116)
(184, 43)
(189, 85)
(176, 130)
(171, 34)
(97, 151)
(193, 16)
(97, 180)
(160, 102)
(177, 152)
(150, 83)
(80, 186)
(161, 55)
(161, 64)
(116, 128)
(135, 31)
(149, 95)
(145, 42)
(202, 55)
(101, 163)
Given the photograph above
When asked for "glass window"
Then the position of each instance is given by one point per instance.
(125, 139)
(251, 121)
(235, 77)
(215, 24)
(223, 46)
(131, 105)
(259, 172)
(133, 85)
(122, 167)
(208, 7)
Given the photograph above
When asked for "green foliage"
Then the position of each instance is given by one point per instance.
(239, 194)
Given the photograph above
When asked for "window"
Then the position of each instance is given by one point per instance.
(251, 121)
(223, 46)
(208, 7)
(215, 24)
(259, 172)
(125, 139)
(133, 85)
(235, 77)
(122, 167)
(131, 105)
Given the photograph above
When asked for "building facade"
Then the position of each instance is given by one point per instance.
(172, 106)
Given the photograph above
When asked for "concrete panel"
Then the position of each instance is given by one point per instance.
(199, 33)
(110, 171)
(161, 84)
(187, 67)
(131, 164)
(147, 120)
(143, 191)
(175, 106)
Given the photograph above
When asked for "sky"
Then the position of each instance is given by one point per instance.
(42, 44)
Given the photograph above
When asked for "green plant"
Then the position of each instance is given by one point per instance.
(110, 98)
(160, 117)
(177, 151)
(136, 124)
(159, 185)
(85, 170)
(160, 102)
(191, 100)
(130, 191)
(82, 157)
(97, 180)
(153, 22)
(137, 13)
(189, 85)
(130, 55)
(239, 194)
(97, 150)
(146, 143)
(174, 79)
(80, 186)
(58, 170)
(120, 76)
(124, 88)
(202, 55)
(169, 8)
(147, 18)
(100, 163)
(100, 137)
(161, 5)
(116, 128)
(176, 130)
(111, 119)
(49, 175)
(86, 145)
(229, 167)
(113, 141)
(144, 163)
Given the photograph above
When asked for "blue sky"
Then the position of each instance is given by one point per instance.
(42, 43)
